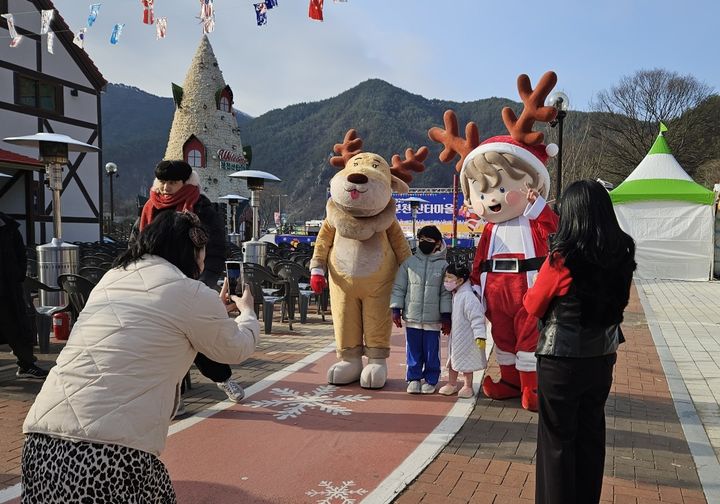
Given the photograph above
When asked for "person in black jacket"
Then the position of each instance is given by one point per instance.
(580, 294)
(15, 329)
(177, 187)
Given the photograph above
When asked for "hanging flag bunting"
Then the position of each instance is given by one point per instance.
(207, 10)
(15, 38)
(115, 36)
(261, 13)
(79, 39)
(11, 25)
(148, 11)
(50, 42)
(270, 3)
(160, 28)
(45, 17)
(94, 9)
(207, 16)
(315, 10)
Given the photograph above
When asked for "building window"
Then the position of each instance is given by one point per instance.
(194, 158)
(224, 104)
(194, 152)
(38, 94)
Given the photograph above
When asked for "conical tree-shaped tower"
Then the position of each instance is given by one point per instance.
(204, 131)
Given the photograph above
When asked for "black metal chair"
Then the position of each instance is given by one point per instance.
(91, 260)
(261, 280)
(78, 289)
(92, 273)
(294, 274)
(41, 315)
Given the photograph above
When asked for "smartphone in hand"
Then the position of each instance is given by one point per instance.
(236, 282)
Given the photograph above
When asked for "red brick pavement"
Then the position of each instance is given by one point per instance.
(491, 459)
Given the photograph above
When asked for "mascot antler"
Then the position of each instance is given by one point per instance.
(454, 144)
(534, 109)
(351, 146)
(413, 162)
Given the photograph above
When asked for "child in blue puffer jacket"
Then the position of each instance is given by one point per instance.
(419, 297)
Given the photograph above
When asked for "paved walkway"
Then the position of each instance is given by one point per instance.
(491, 460)
(670, 364)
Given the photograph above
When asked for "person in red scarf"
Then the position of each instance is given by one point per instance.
(177, 187)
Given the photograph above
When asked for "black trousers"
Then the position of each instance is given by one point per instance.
(15, 329)
(571, 428)
(210, 369)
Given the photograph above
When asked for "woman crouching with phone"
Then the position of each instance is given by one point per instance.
(100, 421)
(579, 296)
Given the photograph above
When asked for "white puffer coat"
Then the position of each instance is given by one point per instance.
(468, 324)
(116, 380)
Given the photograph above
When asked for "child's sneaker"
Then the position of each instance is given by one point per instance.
(466, 392)
(414, 387)
(428, 388)
(448, 389)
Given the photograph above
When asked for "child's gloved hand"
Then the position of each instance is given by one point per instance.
(446, 322)
(397, 317)
(480, 343)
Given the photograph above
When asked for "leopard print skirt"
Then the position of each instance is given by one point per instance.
(59, 471)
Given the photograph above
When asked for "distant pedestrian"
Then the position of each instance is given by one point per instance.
(177, 187)
(579, 295)
(15, 328)
(418, 297)
(466, 342)
(99, 423)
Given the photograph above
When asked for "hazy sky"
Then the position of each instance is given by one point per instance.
(452, 49)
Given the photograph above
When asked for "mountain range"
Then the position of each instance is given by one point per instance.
(295, 142)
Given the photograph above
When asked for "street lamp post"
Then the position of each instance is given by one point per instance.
(111, 169)
(561, 102)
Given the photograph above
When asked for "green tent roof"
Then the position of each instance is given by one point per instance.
(660, 177)
(661, 189)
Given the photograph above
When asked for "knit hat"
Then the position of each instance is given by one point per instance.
(534, 155)
(173, 170)
(430, 232)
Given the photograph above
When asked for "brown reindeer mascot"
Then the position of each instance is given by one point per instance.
(504, 180)
(360, 246)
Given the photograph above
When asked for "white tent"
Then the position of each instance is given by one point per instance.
(670, 217)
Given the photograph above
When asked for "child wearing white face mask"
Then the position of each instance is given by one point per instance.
(466, 343)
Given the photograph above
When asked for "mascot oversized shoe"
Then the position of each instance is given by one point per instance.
(374, 375)
(346, 371)
(528, 383)
(508, 386)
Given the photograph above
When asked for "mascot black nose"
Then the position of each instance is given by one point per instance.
(357, 178)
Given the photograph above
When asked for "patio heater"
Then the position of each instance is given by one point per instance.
(415, 203)
(234, 200)
(57, 257)
(255, 251)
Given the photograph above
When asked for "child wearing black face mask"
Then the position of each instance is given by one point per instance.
(420, 298)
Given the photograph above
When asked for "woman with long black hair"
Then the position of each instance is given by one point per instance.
(579, 296)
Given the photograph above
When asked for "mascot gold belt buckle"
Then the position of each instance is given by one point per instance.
(505, 266)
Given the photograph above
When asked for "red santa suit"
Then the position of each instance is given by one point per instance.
(514, 331)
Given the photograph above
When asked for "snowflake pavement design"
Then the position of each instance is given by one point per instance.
(295, 403)
(341, 494)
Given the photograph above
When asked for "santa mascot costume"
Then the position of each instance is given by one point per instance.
(505, 181)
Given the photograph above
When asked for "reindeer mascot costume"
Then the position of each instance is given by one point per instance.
(360, 246)
(504, 180)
